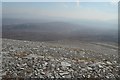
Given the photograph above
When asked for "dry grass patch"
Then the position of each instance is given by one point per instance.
(22, 54)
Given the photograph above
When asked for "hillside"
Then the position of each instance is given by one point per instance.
(25, 59)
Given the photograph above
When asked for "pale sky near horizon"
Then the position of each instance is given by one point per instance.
(105, 12)
(59, 0)
(83, 10)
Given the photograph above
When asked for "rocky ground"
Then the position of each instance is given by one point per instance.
(27, 59)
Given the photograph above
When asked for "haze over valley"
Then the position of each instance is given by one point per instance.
(60, 21)
(53, 31)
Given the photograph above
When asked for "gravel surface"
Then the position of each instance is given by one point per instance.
(27, 59)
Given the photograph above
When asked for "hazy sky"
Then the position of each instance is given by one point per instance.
(83, 12)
